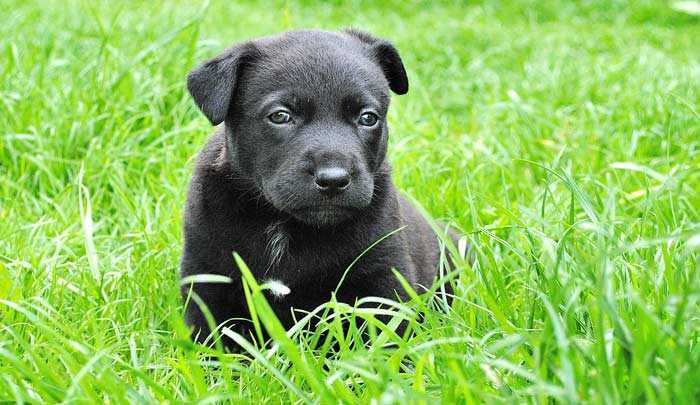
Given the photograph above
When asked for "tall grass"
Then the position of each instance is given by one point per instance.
(562, 138)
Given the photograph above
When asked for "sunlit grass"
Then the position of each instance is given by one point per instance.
(563, 139)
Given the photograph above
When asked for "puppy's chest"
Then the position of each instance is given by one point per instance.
(304, 258)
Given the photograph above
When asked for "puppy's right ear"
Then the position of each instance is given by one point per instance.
(387, 57)
(212, 83)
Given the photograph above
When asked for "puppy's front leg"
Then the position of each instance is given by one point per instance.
(221, 301)
(381, 283)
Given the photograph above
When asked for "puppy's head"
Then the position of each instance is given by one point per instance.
(306, 116)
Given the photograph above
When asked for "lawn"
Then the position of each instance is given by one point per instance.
(562, 138)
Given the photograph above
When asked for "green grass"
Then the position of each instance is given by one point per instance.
(562, 138)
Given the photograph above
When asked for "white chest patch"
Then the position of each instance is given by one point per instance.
(277, 244)
(276, 289)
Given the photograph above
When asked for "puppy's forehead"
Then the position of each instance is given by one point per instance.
(312, 63)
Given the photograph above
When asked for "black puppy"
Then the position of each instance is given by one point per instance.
(296, 179)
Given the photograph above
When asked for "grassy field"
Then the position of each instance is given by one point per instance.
(562, 138)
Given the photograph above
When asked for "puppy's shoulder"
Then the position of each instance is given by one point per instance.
(214, 155)
(211, 182)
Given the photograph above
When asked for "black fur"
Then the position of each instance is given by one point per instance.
(256, 187)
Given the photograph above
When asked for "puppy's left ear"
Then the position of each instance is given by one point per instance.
(212, 84)
(386, 55)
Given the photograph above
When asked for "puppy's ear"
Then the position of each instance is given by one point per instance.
(212, 83)
(387, 57)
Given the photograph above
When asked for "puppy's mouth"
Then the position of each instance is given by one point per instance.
(309, 206)
(323, 215)
(324, 208)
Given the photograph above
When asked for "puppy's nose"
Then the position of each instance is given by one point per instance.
(332, 179)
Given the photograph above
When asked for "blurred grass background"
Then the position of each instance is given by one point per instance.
(561, 137)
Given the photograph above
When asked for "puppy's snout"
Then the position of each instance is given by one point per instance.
(332, 179)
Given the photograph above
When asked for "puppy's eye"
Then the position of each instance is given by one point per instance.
(280, 117)
(368, 119)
